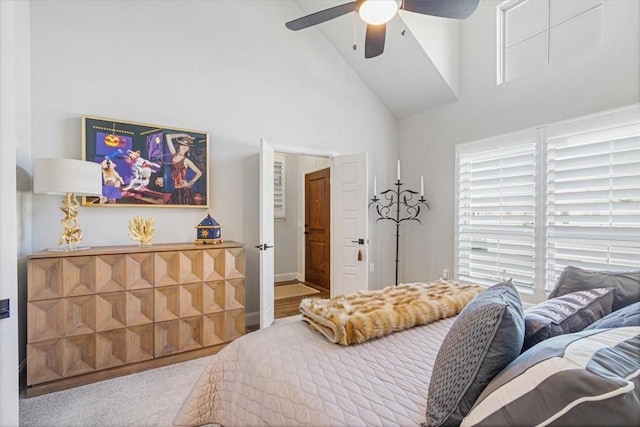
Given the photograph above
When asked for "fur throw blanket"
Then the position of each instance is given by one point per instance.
(359, 317)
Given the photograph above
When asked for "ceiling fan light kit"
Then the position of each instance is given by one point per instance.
(376, 13)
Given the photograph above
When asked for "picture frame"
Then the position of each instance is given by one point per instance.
(147, 165)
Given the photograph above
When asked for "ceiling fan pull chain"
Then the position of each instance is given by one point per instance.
(355, 31)
(404, 26)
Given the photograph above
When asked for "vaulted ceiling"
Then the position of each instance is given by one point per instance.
(416, 72)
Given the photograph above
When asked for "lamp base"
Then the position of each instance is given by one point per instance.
(71, 234)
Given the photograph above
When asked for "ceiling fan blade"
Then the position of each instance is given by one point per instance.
(458, 9)
(374, 40)
(321, 16)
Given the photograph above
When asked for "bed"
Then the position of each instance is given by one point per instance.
(288, 374)
(291, 375)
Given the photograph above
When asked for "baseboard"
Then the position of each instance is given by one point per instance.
(285, 277)
(300, 277)
(252, 319)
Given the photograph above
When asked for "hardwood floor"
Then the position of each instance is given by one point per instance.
(289, 306)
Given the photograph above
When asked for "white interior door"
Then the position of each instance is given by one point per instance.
(349, 223)
(266, 235)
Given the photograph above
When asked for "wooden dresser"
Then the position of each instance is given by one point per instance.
(108, 311)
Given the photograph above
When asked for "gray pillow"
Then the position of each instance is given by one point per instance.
(486, 336)
(627, 316)
(566, 314)
(588, 378)
(626, 284)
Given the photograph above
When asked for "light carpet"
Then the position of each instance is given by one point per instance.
(149, 398)
(293, 290)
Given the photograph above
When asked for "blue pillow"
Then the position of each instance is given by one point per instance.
(627, 316)
(626, 283)
(486, 336)
(566, 314)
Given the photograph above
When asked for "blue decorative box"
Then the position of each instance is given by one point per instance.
(208, 231)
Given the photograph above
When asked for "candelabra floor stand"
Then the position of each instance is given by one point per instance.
(398, 198)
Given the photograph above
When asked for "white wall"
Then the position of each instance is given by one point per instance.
(227, 67)
(600, 79)
(440, 39)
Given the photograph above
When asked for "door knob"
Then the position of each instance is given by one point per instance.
(359, 241)
(264, 247)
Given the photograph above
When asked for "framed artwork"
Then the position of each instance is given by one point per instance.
(147, 165)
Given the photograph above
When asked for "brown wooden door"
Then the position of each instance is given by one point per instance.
(317, 228)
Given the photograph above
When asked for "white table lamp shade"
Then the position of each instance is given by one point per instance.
(61, 176)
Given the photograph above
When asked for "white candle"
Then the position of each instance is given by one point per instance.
(375, 186)
(398, 170)
(422, 186)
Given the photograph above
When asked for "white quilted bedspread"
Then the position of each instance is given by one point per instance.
(289, 375)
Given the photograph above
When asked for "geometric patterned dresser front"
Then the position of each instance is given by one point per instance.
(109, 307)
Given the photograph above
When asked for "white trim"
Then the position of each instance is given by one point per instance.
(539, 278)
(497, 141)
(500, 44)
(285, 277)
(501, 29)
(14, 43)
(304, 151)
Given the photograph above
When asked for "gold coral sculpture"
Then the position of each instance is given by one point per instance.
(71, 235)
(142, 229)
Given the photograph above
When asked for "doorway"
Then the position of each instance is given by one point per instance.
(349, 225)
(317, 227)
(301, 230)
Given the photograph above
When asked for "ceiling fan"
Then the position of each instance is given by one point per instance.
(376, 13)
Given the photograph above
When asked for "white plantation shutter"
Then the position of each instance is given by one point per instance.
(496, 209)
(279, 186)
(582, 208)
(593, 193)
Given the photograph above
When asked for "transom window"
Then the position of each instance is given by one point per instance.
(534, 34)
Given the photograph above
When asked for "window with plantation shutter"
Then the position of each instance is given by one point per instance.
(279, 186)
(593, 194)
(528, 204)
(496, 210)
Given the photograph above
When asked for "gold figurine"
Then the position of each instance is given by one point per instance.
(142, 229)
